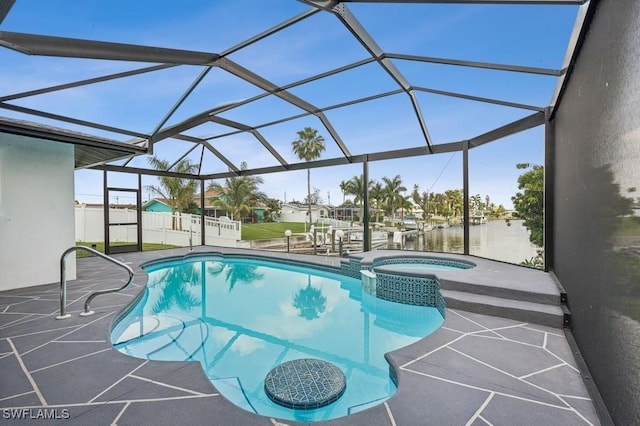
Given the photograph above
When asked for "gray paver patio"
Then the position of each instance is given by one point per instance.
(476, 369)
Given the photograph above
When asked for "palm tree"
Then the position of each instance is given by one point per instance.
(239, 194)
(439, 203)
(393, 188)
(355, 187)
(343, 189)
(236, 272)
(175, 282)
(310, 301)
(421, 200)
(405, 204)
(308, 147)
(475, 201)
(454, 201)
(178, 192)
(377, 195)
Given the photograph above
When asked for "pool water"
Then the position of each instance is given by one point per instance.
(242, 317)
(417, 267)
(424, 264)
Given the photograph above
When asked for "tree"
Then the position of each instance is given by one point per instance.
(530, 202)
(308, 147)
(405, 204)
(355, 187)
(421, 200)
(178, 192)
(175, 283)
(393, 188)
(314, 198)
(310, 301)
(274, 207)
(439, 204)
(475, 201)
(343, 187)
(454, 199)
(236, 272)
(239, 194)
(377, 195)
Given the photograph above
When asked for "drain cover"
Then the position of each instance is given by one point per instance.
(305, 383)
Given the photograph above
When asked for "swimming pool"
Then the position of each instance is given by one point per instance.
(241, 317)
(423, 264)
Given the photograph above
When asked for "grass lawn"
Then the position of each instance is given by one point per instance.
(252, 231)
(629, 226)
(100, 247)
(264, 231)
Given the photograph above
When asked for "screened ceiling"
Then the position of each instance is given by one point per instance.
(226, 82)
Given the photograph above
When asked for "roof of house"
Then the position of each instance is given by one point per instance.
(300, 206)
(210, 196)
(164, 201)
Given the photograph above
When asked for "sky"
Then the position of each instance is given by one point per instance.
(526, 35)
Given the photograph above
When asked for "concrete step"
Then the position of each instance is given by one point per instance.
(551, 315)
(531, 294)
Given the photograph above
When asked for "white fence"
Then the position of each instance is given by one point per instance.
(336, 223)
(156, 228)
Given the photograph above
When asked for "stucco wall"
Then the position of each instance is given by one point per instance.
(36, 210)
(597, 180)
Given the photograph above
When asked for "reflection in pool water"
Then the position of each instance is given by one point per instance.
(241, 317)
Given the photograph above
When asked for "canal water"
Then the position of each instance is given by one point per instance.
(497, 239)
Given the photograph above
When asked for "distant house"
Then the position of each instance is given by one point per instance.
(162, 205)
(300, 212)
(259, 213)
(346, 212)
(210, 206)
(157, 205)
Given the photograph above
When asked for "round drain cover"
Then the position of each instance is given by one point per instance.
(305, 383)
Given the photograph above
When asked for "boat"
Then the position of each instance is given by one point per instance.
(478, 218)
(410, 223)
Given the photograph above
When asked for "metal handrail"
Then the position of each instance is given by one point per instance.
(63, 280)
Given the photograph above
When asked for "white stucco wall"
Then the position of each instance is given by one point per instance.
(36, 211)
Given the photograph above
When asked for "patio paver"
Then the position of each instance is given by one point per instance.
(474, 370)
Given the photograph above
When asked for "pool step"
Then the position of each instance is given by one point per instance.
(551, 315)
(231, 388)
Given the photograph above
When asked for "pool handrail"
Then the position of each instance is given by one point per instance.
(63, 280)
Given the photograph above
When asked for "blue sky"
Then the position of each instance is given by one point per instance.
(534, 36)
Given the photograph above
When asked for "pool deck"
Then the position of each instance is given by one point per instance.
(475, 370)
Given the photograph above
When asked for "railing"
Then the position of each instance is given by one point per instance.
(336, 223)
(63, 281)
(156, 227)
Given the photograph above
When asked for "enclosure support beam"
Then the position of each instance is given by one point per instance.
(366, 234)
(360, 33)
(202, 224)
(5, 7)
(549, 178)
(139, 212)
(105, 208)
(465, 190)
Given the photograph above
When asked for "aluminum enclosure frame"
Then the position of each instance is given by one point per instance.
(162, 58)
